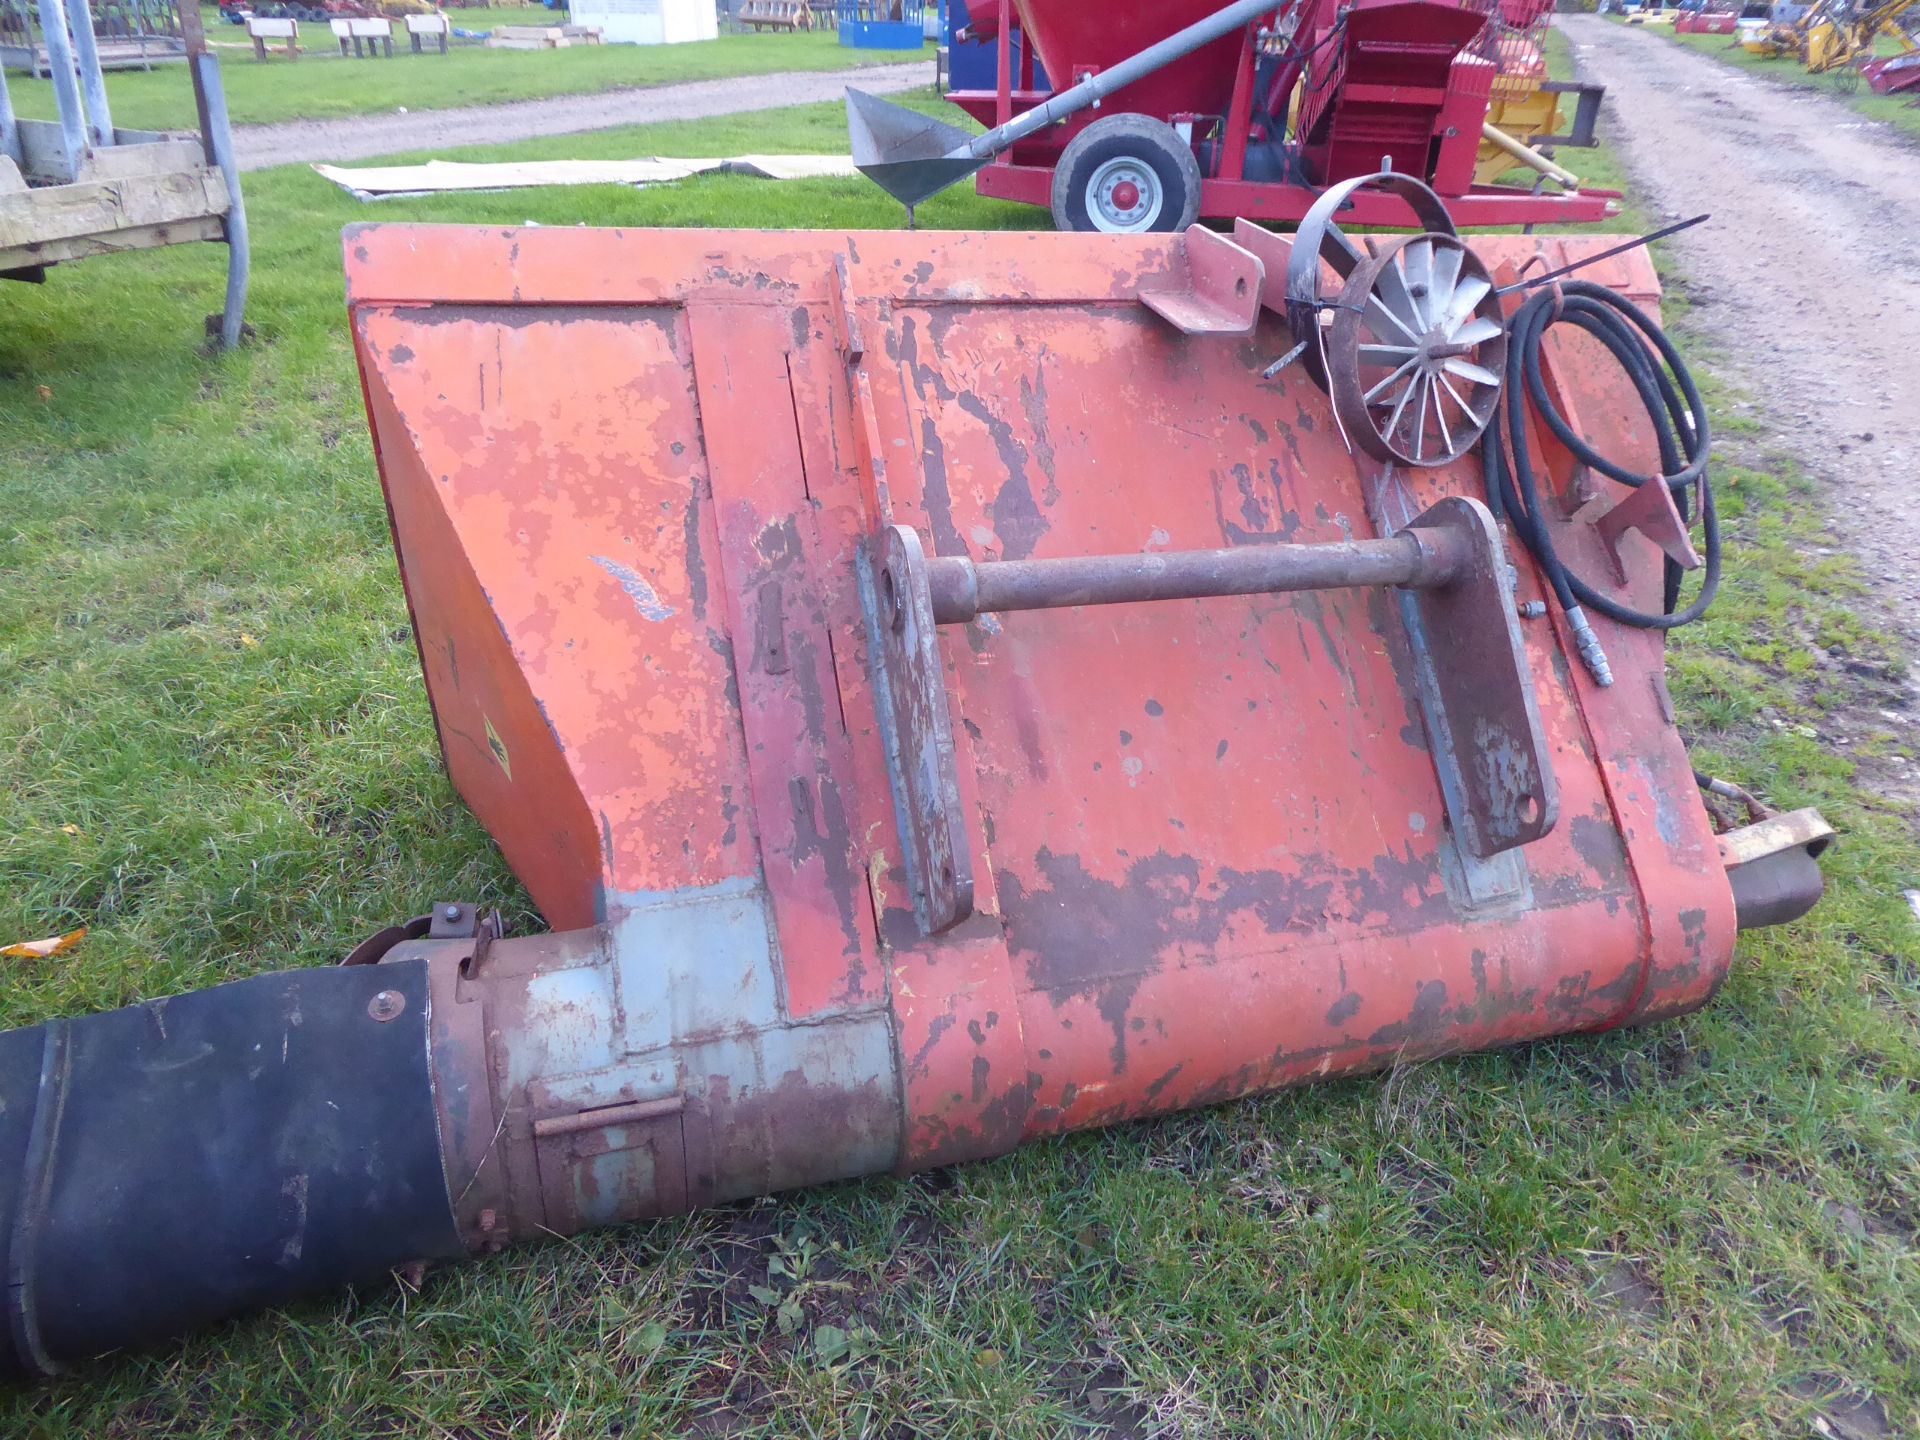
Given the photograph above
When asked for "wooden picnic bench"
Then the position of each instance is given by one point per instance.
(260, 30)
(368, 36)
(420, 27)
(775, 14)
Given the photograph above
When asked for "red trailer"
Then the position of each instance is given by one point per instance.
(1893, 74)
(1256, 123)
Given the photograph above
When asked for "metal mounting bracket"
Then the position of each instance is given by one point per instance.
(1448, 566)
(910, 694)
(1222, 291)
(1648, 508)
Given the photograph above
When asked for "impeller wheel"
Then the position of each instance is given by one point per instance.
(1416, 351)
(1412, 350)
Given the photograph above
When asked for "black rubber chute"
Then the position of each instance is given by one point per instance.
(182, 1160)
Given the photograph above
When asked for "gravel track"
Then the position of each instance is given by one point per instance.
(1808, 277)
(361, 137)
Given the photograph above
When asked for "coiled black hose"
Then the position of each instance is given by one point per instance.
(1679, 418)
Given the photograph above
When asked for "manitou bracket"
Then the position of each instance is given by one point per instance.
(1469, 663)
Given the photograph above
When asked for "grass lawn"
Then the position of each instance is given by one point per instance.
(215, 750)
(1897, 110)
(317, 86)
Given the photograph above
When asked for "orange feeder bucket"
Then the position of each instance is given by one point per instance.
(689, 523)
(943, 691)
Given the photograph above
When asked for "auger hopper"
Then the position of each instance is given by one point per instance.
(941, 695)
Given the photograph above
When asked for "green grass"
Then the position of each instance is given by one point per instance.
(1898, 111)
(316, 87)
(205, 669)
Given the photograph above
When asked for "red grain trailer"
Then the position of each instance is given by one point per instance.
(1257, 122)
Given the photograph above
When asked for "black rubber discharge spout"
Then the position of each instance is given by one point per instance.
(179, 1161)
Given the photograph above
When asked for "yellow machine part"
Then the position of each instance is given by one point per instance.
(1526, 117)
(1828, 47)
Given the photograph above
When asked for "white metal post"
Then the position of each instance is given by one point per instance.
(92, 81)
(9, 127)
(66, 87)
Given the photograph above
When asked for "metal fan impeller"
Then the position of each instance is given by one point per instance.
(1416, 351)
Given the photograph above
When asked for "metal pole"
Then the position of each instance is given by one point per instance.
(66, 87)
(10, 127)
(960, 588)
(219, 141)
(193, 40)
(1134, 67)
(87, 52)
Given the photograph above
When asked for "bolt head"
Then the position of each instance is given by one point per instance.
(387, 1005)
(450, 912)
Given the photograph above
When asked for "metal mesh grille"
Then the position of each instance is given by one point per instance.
(130, 34)
(1514, 39)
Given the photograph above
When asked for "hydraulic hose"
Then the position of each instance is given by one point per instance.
(1672, 402)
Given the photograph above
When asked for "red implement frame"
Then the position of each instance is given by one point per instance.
(1073, 39)
(634, 477)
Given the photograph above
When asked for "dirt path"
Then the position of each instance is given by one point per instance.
(1807, 277)
(361, 137)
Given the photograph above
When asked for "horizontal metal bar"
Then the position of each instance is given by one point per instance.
(962, 588)
(632, 1113)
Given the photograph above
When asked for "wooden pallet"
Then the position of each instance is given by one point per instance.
(135, 195)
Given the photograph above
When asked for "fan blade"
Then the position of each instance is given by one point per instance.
(1386, 354)
(1405, 366)
(1390, 290)
(1393, 421)
(1466, 299)
(1446, 276)
(1477, 331)
(1466, 369)
(1417, 258)
(1405, 327)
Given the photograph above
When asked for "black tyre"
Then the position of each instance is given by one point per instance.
(1127, 174)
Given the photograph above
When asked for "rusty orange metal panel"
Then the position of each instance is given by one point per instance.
(782, 619)
(567, 466)
(1210, 844)
(498, 745)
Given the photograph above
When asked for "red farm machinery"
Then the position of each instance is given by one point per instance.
(1164, 112)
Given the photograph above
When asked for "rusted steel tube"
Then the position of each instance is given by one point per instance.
(963, 588)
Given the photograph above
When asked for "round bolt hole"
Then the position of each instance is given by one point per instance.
(1240, 287)
(1529, 809)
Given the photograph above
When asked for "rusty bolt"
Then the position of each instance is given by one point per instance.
(1532, 609)
(387, 1005)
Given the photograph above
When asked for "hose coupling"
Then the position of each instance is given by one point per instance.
(1589, 643)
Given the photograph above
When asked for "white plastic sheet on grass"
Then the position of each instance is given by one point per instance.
(378, 182)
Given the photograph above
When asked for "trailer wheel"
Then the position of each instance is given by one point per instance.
(1126, 174)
